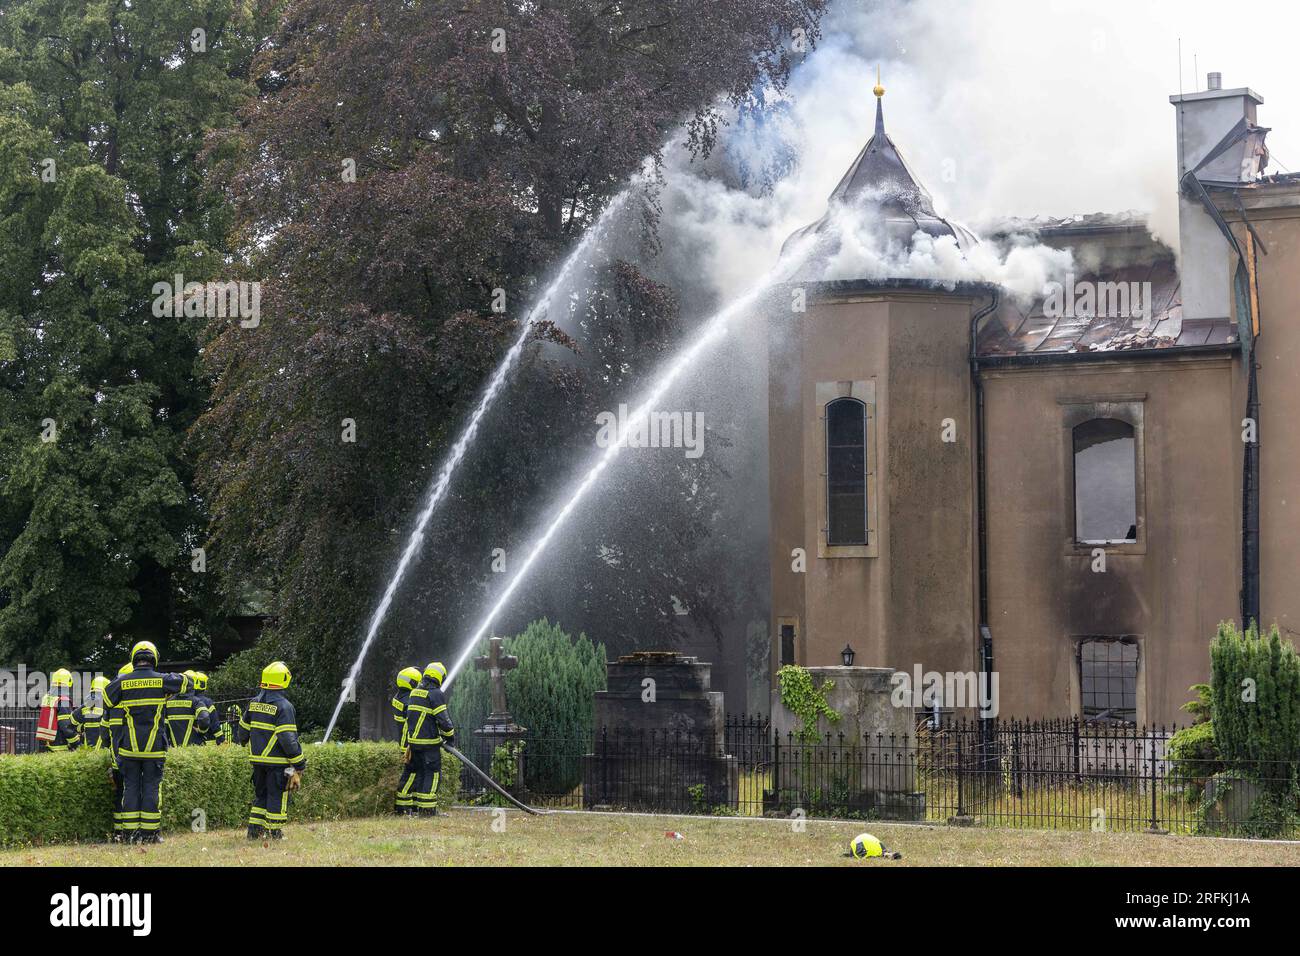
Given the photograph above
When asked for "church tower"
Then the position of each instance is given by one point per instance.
(871, 458)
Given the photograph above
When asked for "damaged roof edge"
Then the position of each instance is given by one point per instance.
(1022, 359)
(834, 287)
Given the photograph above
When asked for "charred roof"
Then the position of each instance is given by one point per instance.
(882, 186)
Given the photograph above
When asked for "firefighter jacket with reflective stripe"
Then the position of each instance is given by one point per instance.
(65, 734)
(114, 724)
(91, 721)
(399, 710)
(216, 731)
(141, 695)
(187, 719)
(270, 728)
(427, 721)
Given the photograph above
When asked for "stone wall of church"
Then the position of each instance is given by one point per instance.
(1167, 591)
(906, 598)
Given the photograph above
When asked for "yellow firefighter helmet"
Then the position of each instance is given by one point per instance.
(142, 650)
(436, 671)
(276, 676)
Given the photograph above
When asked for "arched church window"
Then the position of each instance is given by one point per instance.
(846, 472)
(1105, 482)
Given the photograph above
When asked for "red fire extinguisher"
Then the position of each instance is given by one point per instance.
(47, 726)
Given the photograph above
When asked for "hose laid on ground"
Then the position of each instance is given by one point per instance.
(489, 781)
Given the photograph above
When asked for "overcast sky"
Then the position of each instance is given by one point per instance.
(1050, 106)
(1002, 107)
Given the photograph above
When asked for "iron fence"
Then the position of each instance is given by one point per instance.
(18, 730)
(1054, 774)
(18, 724)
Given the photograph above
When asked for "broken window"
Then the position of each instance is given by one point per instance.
(1105, 482)
(1108, 672)
(846, 472)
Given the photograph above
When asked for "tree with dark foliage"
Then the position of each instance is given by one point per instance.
(403, 161)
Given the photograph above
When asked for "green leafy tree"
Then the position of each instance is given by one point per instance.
(103, 112)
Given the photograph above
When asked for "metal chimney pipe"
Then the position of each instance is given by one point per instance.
(1214, 81)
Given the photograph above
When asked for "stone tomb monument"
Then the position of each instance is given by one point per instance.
(660, 738)
(872, 768)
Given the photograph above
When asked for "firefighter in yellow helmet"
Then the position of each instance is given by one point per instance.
(407, 678)
(187, 717)
(59, 699)
(142, 741)
(114, 721)
(89, 719)
(216, 732)
(427, 726)
(270, 728)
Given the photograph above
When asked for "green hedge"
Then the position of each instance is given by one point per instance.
(65, 797)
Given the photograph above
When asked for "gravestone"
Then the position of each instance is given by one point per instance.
(500, 728)
(660, 737)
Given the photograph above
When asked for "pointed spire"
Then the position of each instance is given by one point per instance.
(880, 113)
(881, 178)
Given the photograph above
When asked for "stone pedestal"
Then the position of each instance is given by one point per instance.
(497, 731)
(869, 763)
(1229, 801)
(660, 738)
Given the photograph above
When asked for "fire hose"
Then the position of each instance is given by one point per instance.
(489, 781)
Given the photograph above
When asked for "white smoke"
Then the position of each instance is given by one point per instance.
(1020, 265)
(1003, 108)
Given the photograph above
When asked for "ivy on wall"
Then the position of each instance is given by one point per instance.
(805, 700)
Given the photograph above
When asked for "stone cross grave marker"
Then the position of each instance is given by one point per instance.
(496, 664)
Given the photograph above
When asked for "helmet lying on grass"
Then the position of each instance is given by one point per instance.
(864, 845)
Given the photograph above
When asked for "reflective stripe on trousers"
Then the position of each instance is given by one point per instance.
(270, 807)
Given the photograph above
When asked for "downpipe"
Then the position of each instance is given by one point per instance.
(986, 726)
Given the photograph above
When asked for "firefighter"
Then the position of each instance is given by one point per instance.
(187, 716)
(89, 719)
(407, 678)
(230, 729)
(142, 747)
(114, 718)
(60, 698)
(216, 732)
(270, 728)
(427, 726)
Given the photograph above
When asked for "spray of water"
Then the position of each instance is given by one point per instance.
(714, 328)
(438, 489)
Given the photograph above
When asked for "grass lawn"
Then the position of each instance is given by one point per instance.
(466, 837)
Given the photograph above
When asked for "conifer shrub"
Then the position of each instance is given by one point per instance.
(551, 692)
(1255, 701)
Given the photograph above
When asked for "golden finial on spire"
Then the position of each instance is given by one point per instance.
(878, 89)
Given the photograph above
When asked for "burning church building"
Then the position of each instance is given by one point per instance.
(1070, 491)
